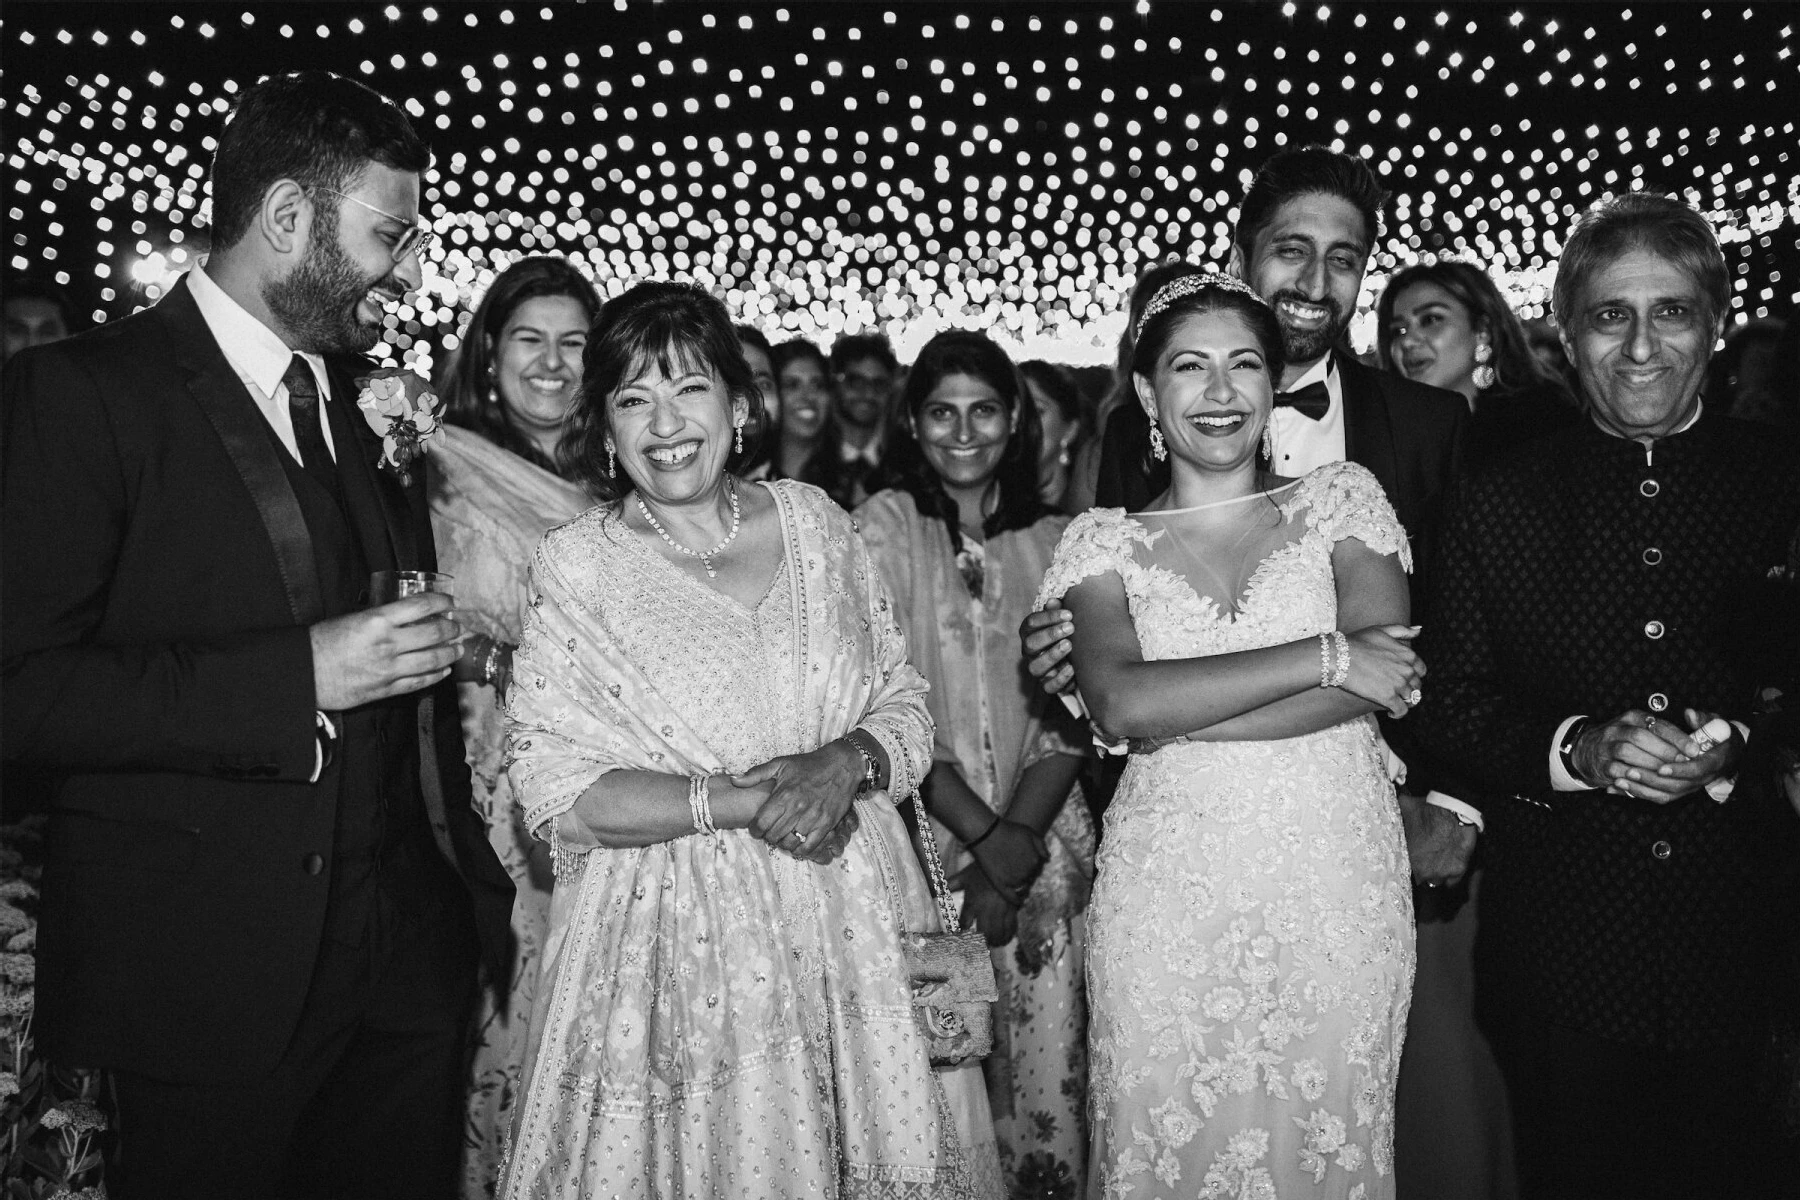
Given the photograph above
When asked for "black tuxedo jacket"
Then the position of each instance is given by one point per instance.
(1409, 436)
(159, 580)
(1584, 576)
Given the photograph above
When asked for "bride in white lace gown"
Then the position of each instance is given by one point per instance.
(1250, 933)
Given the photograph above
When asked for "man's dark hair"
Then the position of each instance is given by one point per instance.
(857, 347)
(314, 127)
(1310, 170)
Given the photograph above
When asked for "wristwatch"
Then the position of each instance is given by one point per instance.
(1565, 749)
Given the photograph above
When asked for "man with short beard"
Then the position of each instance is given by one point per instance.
(266, 892)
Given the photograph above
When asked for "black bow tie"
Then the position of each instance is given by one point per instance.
(1312, 401)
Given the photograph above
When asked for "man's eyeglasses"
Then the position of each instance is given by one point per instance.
(417, 238)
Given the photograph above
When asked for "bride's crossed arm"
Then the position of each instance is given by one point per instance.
(1247, 695)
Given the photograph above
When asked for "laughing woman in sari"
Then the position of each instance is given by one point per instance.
(711, 707)
(962, 538)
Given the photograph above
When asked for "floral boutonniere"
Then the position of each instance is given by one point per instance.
(403, 411)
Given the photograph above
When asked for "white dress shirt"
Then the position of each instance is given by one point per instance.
(260, 358)
(1301, 443)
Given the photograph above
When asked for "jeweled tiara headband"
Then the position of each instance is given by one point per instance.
(1188, 285)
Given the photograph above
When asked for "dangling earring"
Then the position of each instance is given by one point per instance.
(738, 427)
(612, 460)
(1268, 442)
(1159, 449)
(1483, 374)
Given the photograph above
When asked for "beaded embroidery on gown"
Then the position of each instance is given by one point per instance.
(1250, 941)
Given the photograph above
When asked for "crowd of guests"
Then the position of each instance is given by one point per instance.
(1367, 778)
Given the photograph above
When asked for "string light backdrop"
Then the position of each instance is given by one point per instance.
(832, 168)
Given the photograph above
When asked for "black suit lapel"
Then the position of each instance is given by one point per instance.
(1368, 426)
(244, 432)
(377, 503)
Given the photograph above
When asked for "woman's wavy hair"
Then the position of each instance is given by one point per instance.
(470, 393)
(671, 326)
(962, 352)
(1515, 366)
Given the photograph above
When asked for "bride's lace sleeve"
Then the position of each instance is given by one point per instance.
(1096, 542)
(1345, 500)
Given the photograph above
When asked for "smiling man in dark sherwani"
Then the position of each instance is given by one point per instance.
(266, 891)
(1600, 597)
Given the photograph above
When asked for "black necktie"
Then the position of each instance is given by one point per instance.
(1313, 400)
(303, 407)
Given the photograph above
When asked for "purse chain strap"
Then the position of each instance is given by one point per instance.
(934, 866)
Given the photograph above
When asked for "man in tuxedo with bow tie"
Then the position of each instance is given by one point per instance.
(266, 892)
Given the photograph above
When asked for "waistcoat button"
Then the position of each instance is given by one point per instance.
(1653, 629)
(1652, 556)
(1658, 702)
(312, 864)
(1649, 488)
(1662, 850)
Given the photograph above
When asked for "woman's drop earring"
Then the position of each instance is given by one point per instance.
(1268, 441)
(1159, 449)
(612, 460)
(1483, 374)
(738, 427)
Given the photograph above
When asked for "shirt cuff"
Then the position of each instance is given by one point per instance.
(324, 737)
(1720, 789)
(1466, 814)
(1560, 779)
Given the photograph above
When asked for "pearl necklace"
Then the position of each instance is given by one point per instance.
(705, 556)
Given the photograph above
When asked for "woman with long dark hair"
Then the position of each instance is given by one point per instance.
(1446, 324)
(962, 540)
(499, 482)
(806, 433)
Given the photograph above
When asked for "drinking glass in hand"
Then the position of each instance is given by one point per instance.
(385, 587)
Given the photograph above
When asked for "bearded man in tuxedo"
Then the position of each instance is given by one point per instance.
(266, 892)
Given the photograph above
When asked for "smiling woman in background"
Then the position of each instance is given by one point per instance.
(1446, 324)
(962, 540)
(495, 488)
(807, 446)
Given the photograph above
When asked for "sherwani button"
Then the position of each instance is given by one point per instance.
(312, 864)
(1658, 702)
(1649, 488)
(1662, 850)
(1653, 629)
(1652, 556)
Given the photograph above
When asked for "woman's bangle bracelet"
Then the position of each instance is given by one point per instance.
(984, 833)
(1324, 660)
(1342, 672)
(700, 804)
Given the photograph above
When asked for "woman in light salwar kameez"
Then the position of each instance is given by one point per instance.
(961, 535)
(709, 674)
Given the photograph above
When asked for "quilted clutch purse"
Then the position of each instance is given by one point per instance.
(952, 976)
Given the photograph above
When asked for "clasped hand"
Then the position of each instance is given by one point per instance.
(809, 812)
(995, 886)
(1647, 757)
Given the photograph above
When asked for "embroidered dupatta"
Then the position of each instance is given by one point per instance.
(717, 1018)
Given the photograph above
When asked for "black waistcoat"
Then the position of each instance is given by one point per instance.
(379, 804)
